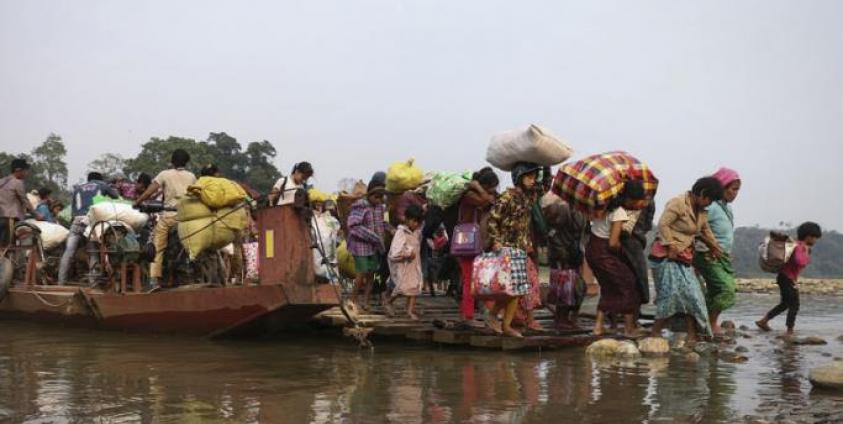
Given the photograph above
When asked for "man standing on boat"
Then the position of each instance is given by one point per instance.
(173, 183)
(83, 199)
(13, 201)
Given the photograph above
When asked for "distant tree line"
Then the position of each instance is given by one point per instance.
(826, 257)
(253, 165)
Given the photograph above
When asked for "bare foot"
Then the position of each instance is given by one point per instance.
(494, 325)
(413, 316)
(763, 326)
(513, 333)
(535, 326)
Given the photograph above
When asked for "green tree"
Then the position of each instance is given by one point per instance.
(261, 173)
(48, 163)
(155, 155)
(228, 155)
(108, 164)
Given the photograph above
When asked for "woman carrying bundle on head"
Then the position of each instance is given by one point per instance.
(619, 292)
(509, 226)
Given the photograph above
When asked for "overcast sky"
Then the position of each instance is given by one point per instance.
(354, 85)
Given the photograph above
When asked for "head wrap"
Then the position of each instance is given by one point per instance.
(726, 176)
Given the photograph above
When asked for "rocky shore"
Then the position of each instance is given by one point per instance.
(827, 287)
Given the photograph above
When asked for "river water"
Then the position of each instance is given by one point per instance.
(50, 374)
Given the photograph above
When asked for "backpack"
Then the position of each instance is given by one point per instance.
(775, 251)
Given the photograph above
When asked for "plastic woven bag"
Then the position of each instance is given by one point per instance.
(403, 176)
(217, 192)
(446, 188)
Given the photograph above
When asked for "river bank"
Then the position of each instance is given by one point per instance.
(807, 286)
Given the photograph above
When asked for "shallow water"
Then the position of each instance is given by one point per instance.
(50, 374)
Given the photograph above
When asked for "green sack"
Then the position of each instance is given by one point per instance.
(99, 198)
(65, 217)
(446, 188)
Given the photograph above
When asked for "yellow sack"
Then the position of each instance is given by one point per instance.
(403, 176)
(346, 261)
(237, 220)
(217, 192)
(195, 237)
(317, 196)
(190, 207)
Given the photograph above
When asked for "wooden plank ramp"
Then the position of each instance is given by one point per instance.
(434, 311)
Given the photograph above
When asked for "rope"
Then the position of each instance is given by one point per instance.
(218, 219)
(52, 305)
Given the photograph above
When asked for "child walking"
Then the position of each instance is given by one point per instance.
(808, 234)
(405, 262)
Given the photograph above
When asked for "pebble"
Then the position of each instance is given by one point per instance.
(692, 357)
(705, 348)
(743, 328)
(741, 349)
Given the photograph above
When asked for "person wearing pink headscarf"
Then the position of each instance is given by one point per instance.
(718, 273)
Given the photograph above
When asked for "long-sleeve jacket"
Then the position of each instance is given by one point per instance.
(365, 229)
(509, 222)
(679, 225)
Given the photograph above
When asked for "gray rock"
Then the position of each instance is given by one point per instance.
(808, 341)
(733, 358)
(741, 349)
(840, 339)
(827, 355)
(654, 346)
(692, 357)
(706, 348)
(829, 376)
(743, 328)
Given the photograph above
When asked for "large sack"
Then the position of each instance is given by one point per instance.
(534, 144)
(403, 176)
(114, 211)
(447, 188)
(317, 196)
(52, 235)
(324, 231)
(217, 192)
(33, 198)
(197, 235)
(190, 207)
(775, 251)
(235, 219)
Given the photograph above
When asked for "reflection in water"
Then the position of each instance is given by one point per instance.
(76, 375)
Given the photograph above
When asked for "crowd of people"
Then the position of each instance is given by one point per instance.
(408, 238)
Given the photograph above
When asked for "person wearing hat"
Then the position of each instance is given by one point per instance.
(509, 226)
(13, 201)
(366, 231)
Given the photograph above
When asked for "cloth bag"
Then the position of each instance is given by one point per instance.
(500, 274)
(566, 288)
(775, 251)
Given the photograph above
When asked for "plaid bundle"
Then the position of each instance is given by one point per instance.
(589, 184)
(501, 274)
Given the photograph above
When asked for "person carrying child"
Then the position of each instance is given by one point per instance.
(405, 261)
(808, 233)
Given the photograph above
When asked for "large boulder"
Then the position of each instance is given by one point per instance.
(604, 347)
(654, 346)
(628, 349)
(829, 376)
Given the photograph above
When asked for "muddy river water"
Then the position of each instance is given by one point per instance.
(50, 374)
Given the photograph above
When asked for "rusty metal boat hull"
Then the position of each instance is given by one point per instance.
(211, 312)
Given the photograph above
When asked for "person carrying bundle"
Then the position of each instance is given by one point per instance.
(174, 183)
